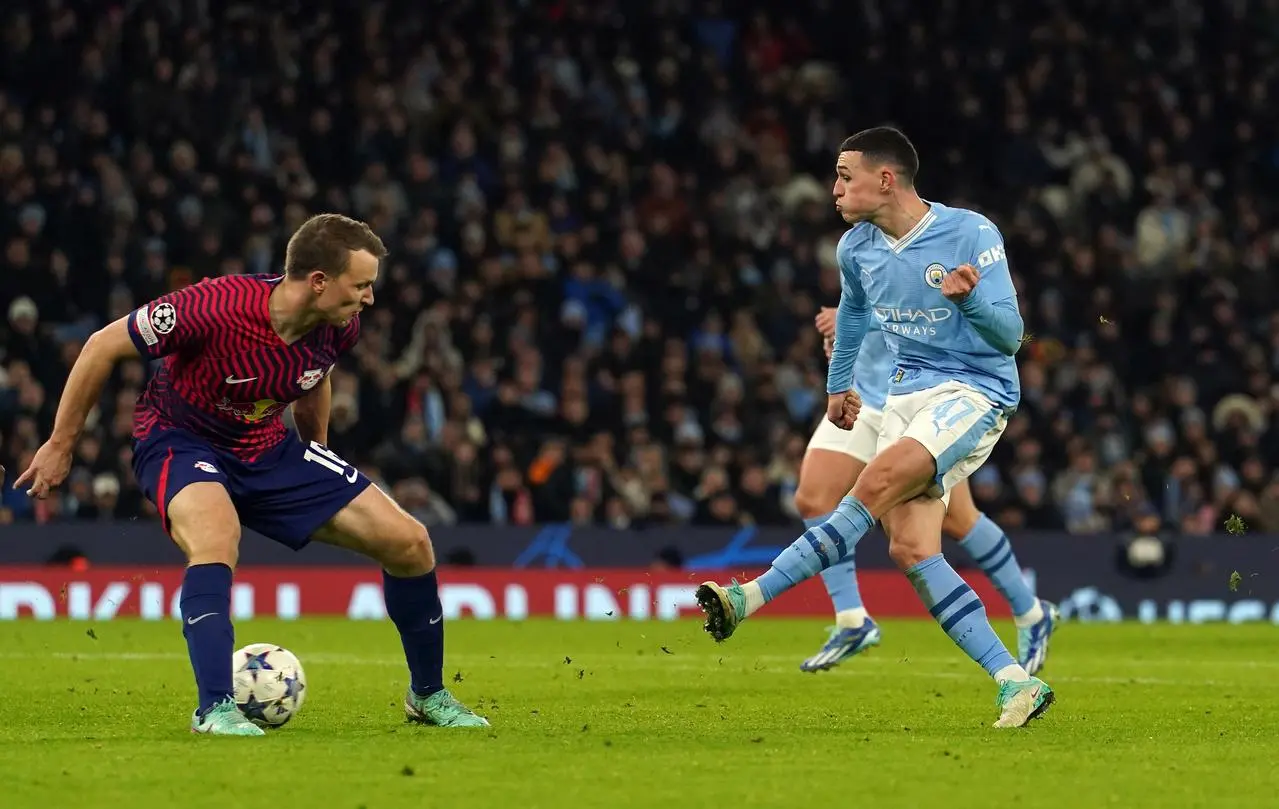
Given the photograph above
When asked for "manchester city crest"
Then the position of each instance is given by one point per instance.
(934, 274)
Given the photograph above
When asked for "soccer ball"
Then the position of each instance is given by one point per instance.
(270, 685)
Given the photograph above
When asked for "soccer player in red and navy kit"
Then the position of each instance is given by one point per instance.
(212, 451)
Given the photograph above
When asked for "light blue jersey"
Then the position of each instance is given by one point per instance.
(873, 370)
(929, 339)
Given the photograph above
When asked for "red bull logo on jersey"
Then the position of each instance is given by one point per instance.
(252, 412)
(311, 378)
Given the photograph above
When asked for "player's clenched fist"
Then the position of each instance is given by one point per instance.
(842, 409)
(959, 282)
(825, 321)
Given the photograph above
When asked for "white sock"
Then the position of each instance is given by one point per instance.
(754, 597)
(1032, 616)
(1014, 672)
(851, 619)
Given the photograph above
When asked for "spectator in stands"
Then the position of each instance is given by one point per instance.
(608, 240)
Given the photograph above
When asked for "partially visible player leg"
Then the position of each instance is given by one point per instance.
(991, 550)
(914, 530)
(374, 525)
(958, 428)
(899, 473)
(177, 474)
(834, 460)
(930, 440)
(304, 492)
(205, 526)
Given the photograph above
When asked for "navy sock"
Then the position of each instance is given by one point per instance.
(206, 624)
(413, 604)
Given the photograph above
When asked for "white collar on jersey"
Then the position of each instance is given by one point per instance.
(898, 245)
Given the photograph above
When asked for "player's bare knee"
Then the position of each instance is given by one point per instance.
(207, 543)
(897, 474)
(409, 553)
(913, 534)
(813, 501)
(958, 524)
(824, 478)
(874, 489)
(204, 524)
(908, 549)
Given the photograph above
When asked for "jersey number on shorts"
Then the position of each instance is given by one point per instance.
(318, 453)
(947, 414)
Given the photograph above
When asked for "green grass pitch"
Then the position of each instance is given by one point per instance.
(647, 715)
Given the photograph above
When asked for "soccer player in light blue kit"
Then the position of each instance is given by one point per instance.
(832, 464)
(936, 282)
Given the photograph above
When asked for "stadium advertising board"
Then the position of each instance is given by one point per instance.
(102, 594)
(557, 573)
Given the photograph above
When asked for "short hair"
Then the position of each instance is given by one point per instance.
(884, 144)
(326, 241)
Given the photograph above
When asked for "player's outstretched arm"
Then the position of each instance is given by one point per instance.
(311, 413)
(101, 352)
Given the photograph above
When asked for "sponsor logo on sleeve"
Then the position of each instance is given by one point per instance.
(142, 322)
(311, 378)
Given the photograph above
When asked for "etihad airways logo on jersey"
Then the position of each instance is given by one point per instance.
(912, 322)
(992, 256)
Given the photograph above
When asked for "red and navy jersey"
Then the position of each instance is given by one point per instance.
(227, 376)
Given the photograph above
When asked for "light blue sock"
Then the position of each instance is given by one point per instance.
(841, 578)
(828, 543)
(989, 546)
(960, 612)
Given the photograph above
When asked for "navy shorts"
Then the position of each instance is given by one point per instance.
(287, 494)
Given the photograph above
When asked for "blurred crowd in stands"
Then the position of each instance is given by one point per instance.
(610, 227)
